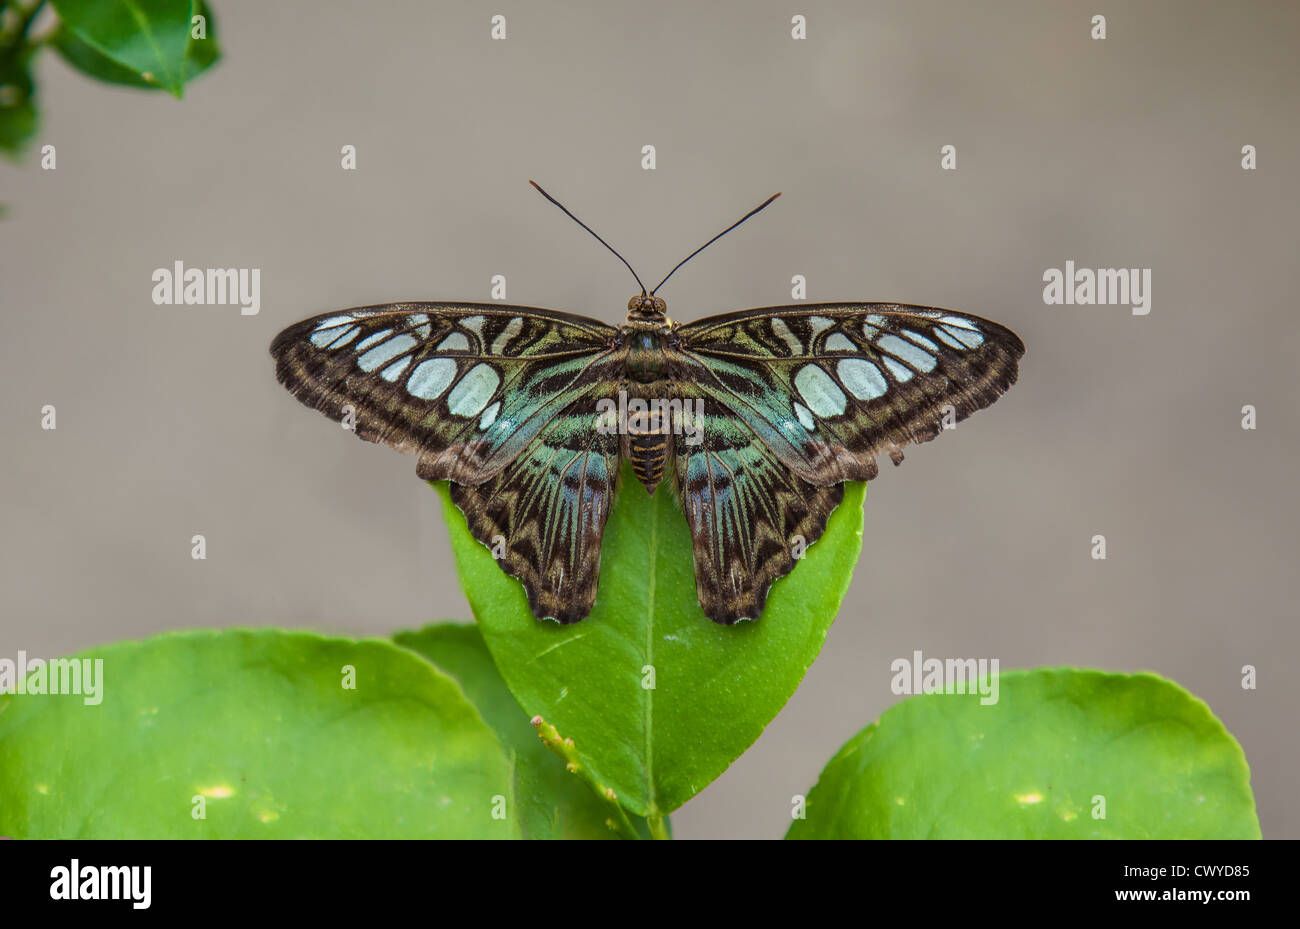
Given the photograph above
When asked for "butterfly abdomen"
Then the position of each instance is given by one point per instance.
(648, 453)
(648, 433)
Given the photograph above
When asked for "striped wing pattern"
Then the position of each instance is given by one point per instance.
(499, 400)
(548, 508)
(746, 511)
(466, 387)
(502, 401)
(830, 387)
(802, 398)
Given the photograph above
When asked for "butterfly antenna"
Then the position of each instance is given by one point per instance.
(756, 209)
(589, 229)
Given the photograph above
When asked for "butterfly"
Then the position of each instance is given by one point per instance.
(756, 418)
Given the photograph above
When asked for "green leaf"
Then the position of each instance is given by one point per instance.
(715, 687)
(261, 725)
(19, 118)
(553, 803)
(140, 43)
(1038, 764)
(200, 55)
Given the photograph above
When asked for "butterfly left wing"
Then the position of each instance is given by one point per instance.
(464, 386)
(500, 400)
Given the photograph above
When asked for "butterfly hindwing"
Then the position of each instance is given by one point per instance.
(829, 387)
(748, 514)
(544, 513)
(466, 387)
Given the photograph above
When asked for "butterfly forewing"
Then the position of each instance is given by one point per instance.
(829, 387)
(466, 387)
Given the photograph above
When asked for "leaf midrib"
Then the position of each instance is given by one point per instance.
(652, 805)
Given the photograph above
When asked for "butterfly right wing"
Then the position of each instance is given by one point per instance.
(546, 510)
(466, 387)
(828, 387)
(801, 398)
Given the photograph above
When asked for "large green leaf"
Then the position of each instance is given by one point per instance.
(143, 43)
(714, 687)
(261, 725)
(553, 803)
(1040, 764)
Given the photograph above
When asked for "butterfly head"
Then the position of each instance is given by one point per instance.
(645, 307)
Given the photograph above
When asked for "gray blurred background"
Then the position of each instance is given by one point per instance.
(1117, 153)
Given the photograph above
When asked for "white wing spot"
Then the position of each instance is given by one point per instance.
(789, 338)
(875, 319)
(332, 338)
(805, 417)
(456, 342)
(371, 340)
(920, 340)
(862, 378)
(512, 329)
(967, 337)
(489, 415)
(394, 370)
(916, 357)
(839, 342)
(819, 391)
(960, 322)
(474, 324)
(333, 322)
(901, 372)
(419, 323)
(473, 391)
(430, 378)
(948, 340)
(385, 352)
(819, 325)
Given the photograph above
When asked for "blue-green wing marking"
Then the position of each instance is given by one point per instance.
(466, 387)
(750, 516)
(828, 387)
(548, 507)
(501, 401)
(798, 399)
